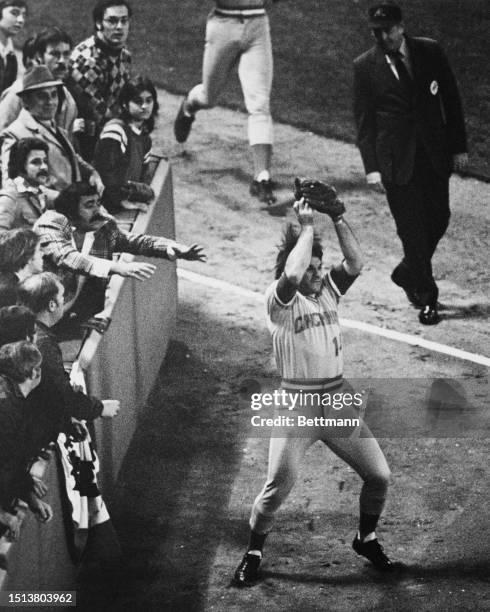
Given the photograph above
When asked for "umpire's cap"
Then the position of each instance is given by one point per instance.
(384, 15)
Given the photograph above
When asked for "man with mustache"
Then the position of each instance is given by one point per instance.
(26, 195)
(79, 240)
(52, 48)
(40, 97)
(12, 20)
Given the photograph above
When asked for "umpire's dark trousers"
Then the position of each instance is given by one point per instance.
(420, 209)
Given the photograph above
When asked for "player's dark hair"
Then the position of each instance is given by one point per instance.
(16, 323)
(18, 359)
(101, 7)
(19, 153)
(36, 291)
(68, 200)
(289, 239)
(51, 36)
(130, 92)
(17, 247)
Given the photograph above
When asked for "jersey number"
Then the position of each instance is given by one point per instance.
(338, 346)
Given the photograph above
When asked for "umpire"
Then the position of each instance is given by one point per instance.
(411, 136)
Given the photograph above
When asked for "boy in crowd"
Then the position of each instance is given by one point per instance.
(12, 20)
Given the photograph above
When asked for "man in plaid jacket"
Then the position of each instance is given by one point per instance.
(78, 242)
(100, 65)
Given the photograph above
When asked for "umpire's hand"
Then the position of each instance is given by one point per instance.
(378, 187)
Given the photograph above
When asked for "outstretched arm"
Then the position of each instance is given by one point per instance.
(350, 247)
(300, 257)
(156, 246)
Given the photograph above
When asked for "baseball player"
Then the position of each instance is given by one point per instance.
(237, 33)
(303, 319)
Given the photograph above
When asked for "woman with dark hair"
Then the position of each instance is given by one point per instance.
(123, 149)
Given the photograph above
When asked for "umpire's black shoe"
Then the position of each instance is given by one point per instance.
(263, 190)
(412, 295)
(373, 551)
(429, 315)
(182, 124)
(247, 573)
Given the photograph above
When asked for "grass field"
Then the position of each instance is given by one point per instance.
(315, 42)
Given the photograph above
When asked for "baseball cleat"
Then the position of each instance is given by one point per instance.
(182, 124)
(373, 551)
(247, 573)
(263, 191)
(429, 315)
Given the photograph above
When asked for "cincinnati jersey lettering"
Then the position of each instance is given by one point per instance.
(306, 335)
(315, 319)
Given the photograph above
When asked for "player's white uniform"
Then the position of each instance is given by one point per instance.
(308, 350)
(237, 33)
(306, 337)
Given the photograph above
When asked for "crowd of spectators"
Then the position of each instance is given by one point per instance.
(75, 145)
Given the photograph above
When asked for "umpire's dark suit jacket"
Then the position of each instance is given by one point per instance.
(389, 121)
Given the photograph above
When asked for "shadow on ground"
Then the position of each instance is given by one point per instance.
(172, 493)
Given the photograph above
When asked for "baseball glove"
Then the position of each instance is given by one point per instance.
(319, 195)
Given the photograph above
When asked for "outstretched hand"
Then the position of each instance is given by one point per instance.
(110, 409)
(135, 269)
(191, 253)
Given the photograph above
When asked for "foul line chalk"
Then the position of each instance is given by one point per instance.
(390, 334)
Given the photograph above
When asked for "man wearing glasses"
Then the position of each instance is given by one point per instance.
(99, 68)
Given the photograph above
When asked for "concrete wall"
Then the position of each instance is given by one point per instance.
(40, 560)
(143, 319)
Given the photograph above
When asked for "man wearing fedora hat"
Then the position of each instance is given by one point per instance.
(51, 47)
(40, 97)
(411, 136)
